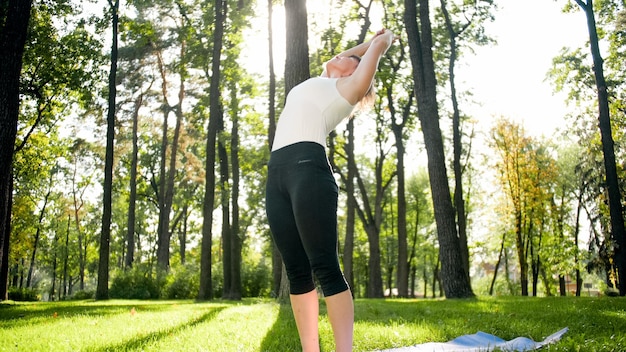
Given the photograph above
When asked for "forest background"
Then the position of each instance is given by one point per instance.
(174, 207)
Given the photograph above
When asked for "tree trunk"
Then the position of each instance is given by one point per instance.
(348, 244)
(182, 237)
(129, 258)
(236, 236)
(272, 78)
(495, 270)
(79, 234)
(375, 279)
(14, 18)
(163, 225)
(297, 47)
(402, 279)
(166, 184)
(455, 282)
(54, 264)
(277, 263)
(459, 202)
(618, 232)
(521, 252)
(576, 235)
(225, 204)
(206, 287)
(66, 255)
(102, 290)
(36, 241)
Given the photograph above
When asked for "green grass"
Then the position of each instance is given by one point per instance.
(595, 324)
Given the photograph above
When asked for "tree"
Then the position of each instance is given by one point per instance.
(371, 208)
(14, 17)
(455, 283)
(132, 201)
(473, 14)
(102, 290)
(215, 115)
(277, 264)
(589, 78)
(238, 86)
(528, 176)
(618, 231)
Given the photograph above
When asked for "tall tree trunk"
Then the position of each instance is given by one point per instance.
(534, 268)
(459, 202)
(182, 237)
(410, 260)
(66, 255)
(236, 236)
(132, 201)
(560, 220)
(375, 279)
(522, 251)
(618, 232)
(163, 225)
(402, 280)
(455, 282)
(579, 280)
(277, 262)
(36, 241)
(102, 290)
(78, 204)
(55, 245)
(495, 270)
(166, 184)
(370, 213)
(272, 78)
(297, 48)
(14, 18)
(206, 287)
(348, 244)
(225, 204)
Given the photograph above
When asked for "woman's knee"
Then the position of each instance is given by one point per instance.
(330, 277)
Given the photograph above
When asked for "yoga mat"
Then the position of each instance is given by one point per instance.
(481, 342)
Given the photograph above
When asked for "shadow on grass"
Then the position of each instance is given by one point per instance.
(16, 315)
(283, 335)
(137, 342)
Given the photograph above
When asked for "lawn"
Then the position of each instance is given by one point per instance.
(595, 324)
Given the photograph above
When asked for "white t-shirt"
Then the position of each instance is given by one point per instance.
(312, 110)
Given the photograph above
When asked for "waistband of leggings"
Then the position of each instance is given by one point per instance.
(298, 151)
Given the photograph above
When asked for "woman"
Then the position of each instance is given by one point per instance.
(301, 193)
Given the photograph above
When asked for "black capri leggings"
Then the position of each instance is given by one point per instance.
(301, 205)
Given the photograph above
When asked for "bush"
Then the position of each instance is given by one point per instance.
(23, 294)
(135, 283)
(183, 282)
(80, 295)
(256, 279)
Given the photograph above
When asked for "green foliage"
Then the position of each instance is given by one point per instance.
(83, 294)
(23, 294)
(182, 282)
(136, 283)
(256, 278)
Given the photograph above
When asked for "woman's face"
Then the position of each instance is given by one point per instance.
(342, 65)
